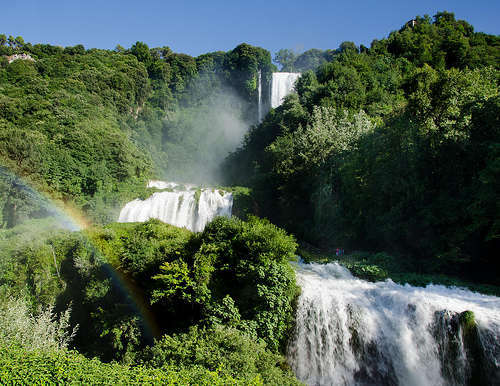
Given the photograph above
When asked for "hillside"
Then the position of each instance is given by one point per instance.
(391, 152)
(390, 148)
(91, 126)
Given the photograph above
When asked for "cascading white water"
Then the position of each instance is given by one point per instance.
(352, 332)
(179, 206)
(282, 85)
(259, 89)
(167, 185)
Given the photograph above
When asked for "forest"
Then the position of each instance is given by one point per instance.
(392, 148)
(390, 151)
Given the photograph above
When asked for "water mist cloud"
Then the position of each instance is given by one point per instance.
(199, 137)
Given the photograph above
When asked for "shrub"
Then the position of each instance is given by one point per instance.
(20, 366)
(41, 331)
(221, 348)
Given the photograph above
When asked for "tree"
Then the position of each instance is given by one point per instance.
(444, 17)
(161, 52)
(76, 50)
(309, 60)
(348, 46)
(285, 57)
(19, 42)
(141, 51)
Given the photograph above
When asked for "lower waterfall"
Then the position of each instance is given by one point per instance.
(353, 332)
(185, 206)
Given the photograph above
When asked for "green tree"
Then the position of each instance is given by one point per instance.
(285, 57)
(19, 42)
(348, 46)
(141, 51)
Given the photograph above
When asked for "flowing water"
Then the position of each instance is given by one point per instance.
(259, 90)
(353, 332)
(282, 85)
(185, 206)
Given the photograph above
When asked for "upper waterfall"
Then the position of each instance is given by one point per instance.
(259, 96)
(282, 85)
(353, 332)
(185, 206)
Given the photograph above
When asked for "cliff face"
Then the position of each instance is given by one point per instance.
(11, 58)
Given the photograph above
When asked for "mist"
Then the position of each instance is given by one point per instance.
(197, 138)
(20, 203)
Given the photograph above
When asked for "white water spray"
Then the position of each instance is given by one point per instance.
(352, 332)
(282, 85)
(184, 206)
(259, 89)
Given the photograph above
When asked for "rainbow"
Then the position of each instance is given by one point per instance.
(68, 216)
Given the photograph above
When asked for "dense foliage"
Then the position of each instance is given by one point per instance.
(234, 273)
(226, 293)
(60, 127)
(33, 349)
(90, 126)
(225, 349)
(308, 60)
(390, 148)
(20, 366)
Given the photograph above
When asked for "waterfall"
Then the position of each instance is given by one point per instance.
(259, 89)
(282, 85)
(184, 206)
(352, 332)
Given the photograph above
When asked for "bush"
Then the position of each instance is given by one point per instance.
(234, 273)
(41, 331)
(227, 349)
(367, 272)
(249, 262)
(19, 366)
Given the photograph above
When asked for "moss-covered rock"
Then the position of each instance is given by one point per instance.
(472, 348)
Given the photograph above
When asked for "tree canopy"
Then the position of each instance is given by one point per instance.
(389, 148)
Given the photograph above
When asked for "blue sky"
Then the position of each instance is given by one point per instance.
(196, 27)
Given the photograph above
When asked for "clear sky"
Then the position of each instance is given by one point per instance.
(196, 27)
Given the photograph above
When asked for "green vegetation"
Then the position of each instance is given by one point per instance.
(33, 349)
(40, 331)
(18, 365)
(30, 259)
(225, 296)
(390, 148)
(224, 348)
(381, 266)
(89, 127)
(308, 60)
(62, 129)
